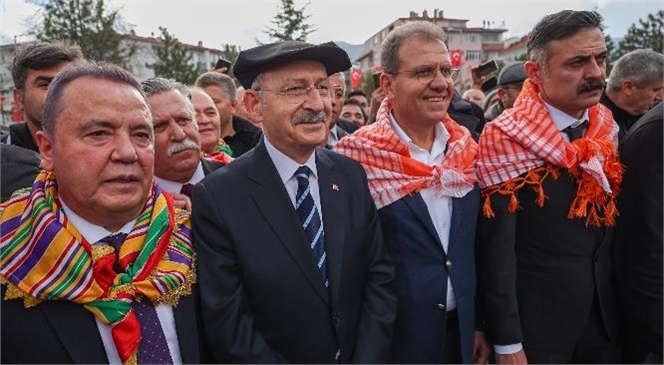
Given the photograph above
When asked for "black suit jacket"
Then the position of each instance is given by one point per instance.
(63, 332)
(263, 298)
(638, 240)
(209, 166)
(538, 271)
(18, 169)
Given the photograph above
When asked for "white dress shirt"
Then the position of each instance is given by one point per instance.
(563, 120)
(175, 187)
(93, 233)
(286, 168)
(333, 136)
(439, 207)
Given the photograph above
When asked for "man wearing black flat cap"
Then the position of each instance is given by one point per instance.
(292, 264)
(510, 82)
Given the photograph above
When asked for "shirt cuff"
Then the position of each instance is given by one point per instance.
(507, 349)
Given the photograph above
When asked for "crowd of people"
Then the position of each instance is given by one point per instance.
(277, 217)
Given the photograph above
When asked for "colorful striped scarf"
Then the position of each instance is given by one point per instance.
(393, 174)
(523, 146)
(44, 257)
(222, 153)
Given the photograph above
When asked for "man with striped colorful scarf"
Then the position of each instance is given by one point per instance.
(550, 176)
(420, 167)
(97, 265)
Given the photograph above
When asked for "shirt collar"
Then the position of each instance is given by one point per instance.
(286, 167)
(175, 187)
(563, 120)
(91, 232)
(439, 142)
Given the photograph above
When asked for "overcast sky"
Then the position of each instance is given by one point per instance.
(216, 22)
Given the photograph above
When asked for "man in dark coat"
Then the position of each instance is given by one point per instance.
(292, 263)
(638, 239)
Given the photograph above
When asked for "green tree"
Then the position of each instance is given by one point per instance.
(173, 59)
(647, 34)
(290, 24)
(88, 23)
(611, 52)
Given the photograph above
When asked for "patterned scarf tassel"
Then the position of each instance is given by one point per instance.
(14, 292)
(533, 178)
(591, 201)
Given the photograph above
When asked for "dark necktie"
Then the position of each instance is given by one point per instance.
(187, 189)
(576, 132)
(153, 348)
(311, 223)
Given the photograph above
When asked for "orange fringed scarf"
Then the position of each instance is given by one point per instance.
(522, 147)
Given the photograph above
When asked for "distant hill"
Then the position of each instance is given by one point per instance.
(353, 50)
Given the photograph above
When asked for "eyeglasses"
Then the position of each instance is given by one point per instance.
(298, 94)
(426, 74)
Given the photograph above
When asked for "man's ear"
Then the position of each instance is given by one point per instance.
(253, 105)
(627, 87)
(534, 72)
(18, 98)
(46, 146)
(387, 83)
(234, 105)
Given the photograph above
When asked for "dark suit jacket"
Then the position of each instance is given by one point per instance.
(638, 239)
(421, 276)
(18, 169)
(244, 138)
(538, 271)
(20, 136)
(263, 298)
(209, 166)
(63, 332)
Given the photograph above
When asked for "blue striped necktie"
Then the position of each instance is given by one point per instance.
(311, 223)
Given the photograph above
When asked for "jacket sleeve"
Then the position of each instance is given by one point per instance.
(228, 324)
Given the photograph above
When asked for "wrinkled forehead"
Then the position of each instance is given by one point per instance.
(296, 71)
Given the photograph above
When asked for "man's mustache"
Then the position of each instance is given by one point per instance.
(187, 144)
(590, 85)
(309, 117)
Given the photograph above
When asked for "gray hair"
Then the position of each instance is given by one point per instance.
(224, 82)
(158, 85)
(75, 70)
(642, 66)
(557, 26)
(389, 50)
(41, 56)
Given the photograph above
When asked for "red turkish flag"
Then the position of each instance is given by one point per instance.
(455, 56)
(355, 78)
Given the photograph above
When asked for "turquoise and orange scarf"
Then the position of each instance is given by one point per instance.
(44, 257)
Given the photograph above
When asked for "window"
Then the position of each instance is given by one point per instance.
(472, 38)
(473, 55)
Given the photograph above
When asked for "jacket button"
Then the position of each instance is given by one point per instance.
(440, 306)
(336, 318)
(448, 263)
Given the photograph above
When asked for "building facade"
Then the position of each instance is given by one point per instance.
(203, 58)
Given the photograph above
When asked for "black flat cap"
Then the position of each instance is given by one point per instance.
(253, 61)
(512, 73)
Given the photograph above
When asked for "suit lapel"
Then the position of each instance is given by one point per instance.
(185, 326)
(271, 199)
(77, 330)
(331, 201)
(419, 208)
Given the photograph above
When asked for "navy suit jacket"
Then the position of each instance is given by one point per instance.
(263, 297)
(422, 269)
(63, 332)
